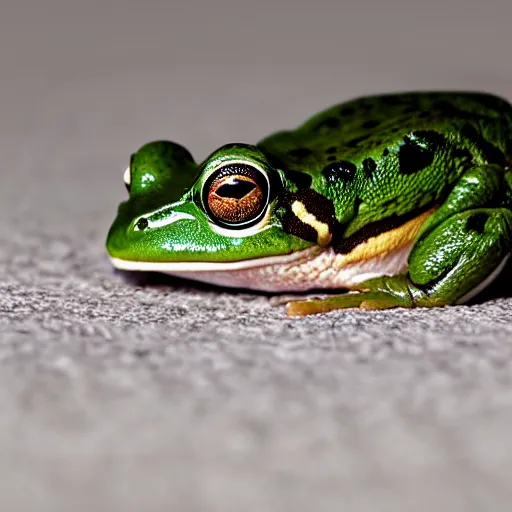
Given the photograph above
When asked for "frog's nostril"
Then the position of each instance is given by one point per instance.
(142, 224)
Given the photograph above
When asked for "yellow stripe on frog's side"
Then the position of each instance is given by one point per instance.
(386, 242)
(322, 229)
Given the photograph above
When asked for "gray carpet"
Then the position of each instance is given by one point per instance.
(131, 392)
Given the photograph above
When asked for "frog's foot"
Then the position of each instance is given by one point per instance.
(281, 300)
(365, 300)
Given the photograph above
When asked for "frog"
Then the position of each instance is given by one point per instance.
(396, 200)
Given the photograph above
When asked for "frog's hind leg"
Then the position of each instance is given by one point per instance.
(448, 265)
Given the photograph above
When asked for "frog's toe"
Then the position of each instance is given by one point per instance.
(281, 300)
(364, 300)
(314, 306)
(384, 303)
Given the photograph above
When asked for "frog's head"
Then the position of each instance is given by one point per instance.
(182, 216)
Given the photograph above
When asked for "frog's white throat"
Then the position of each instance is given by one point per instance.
(309, 269)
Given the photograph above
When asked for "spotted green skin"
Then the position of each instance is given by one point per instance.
(361, 167)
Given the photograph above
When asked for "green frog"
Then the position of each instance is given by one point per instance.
(396, 200)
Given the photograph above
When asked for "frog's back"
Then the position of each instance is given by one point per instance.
(392, 155)
(412, 108)
(372, 123)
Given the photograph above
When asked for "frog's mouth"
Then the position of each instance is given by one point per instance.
(308, 269)
(212, 266)
(256, 274)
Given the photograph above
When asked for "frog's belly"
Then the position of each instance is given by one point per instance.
(306, 270)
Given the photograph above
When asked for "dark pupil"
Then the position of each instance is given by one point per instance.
(235, 188)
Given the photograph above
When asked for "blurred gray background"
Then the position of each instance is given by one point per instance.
(125, 393)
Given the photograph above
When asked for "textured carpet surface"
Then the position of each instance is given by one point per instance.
(125, 393)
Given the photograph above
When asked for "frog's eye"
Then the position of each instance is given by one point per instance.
(236, 195)
(127, 178)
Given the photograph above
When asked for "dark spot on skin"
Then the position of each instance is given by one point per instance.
(330, 122)
(492, 154)
(369, 167)
(476, 222)
(395, 130)
(345, 245)
(508, 147)
(316, 204)
(410, 110)
(355, 142)
(490, 102)
(301, 179)
(419, 150)
(392, 100)
(446, 108)
(331, 150)
(462, 153)
(434, 138)
(469, 132)
(385, 152)
(425, 114)
(142, 224)
(331, 158)
(340, 171)
(368, 125)
(347, 111)
(413, 158)
(300, 152)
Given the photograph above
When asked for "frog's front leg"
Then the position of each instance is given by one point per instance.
(457, 258)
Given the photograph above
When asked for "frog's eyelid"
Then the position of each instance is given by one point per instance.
(226, 163)
(127, 177)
